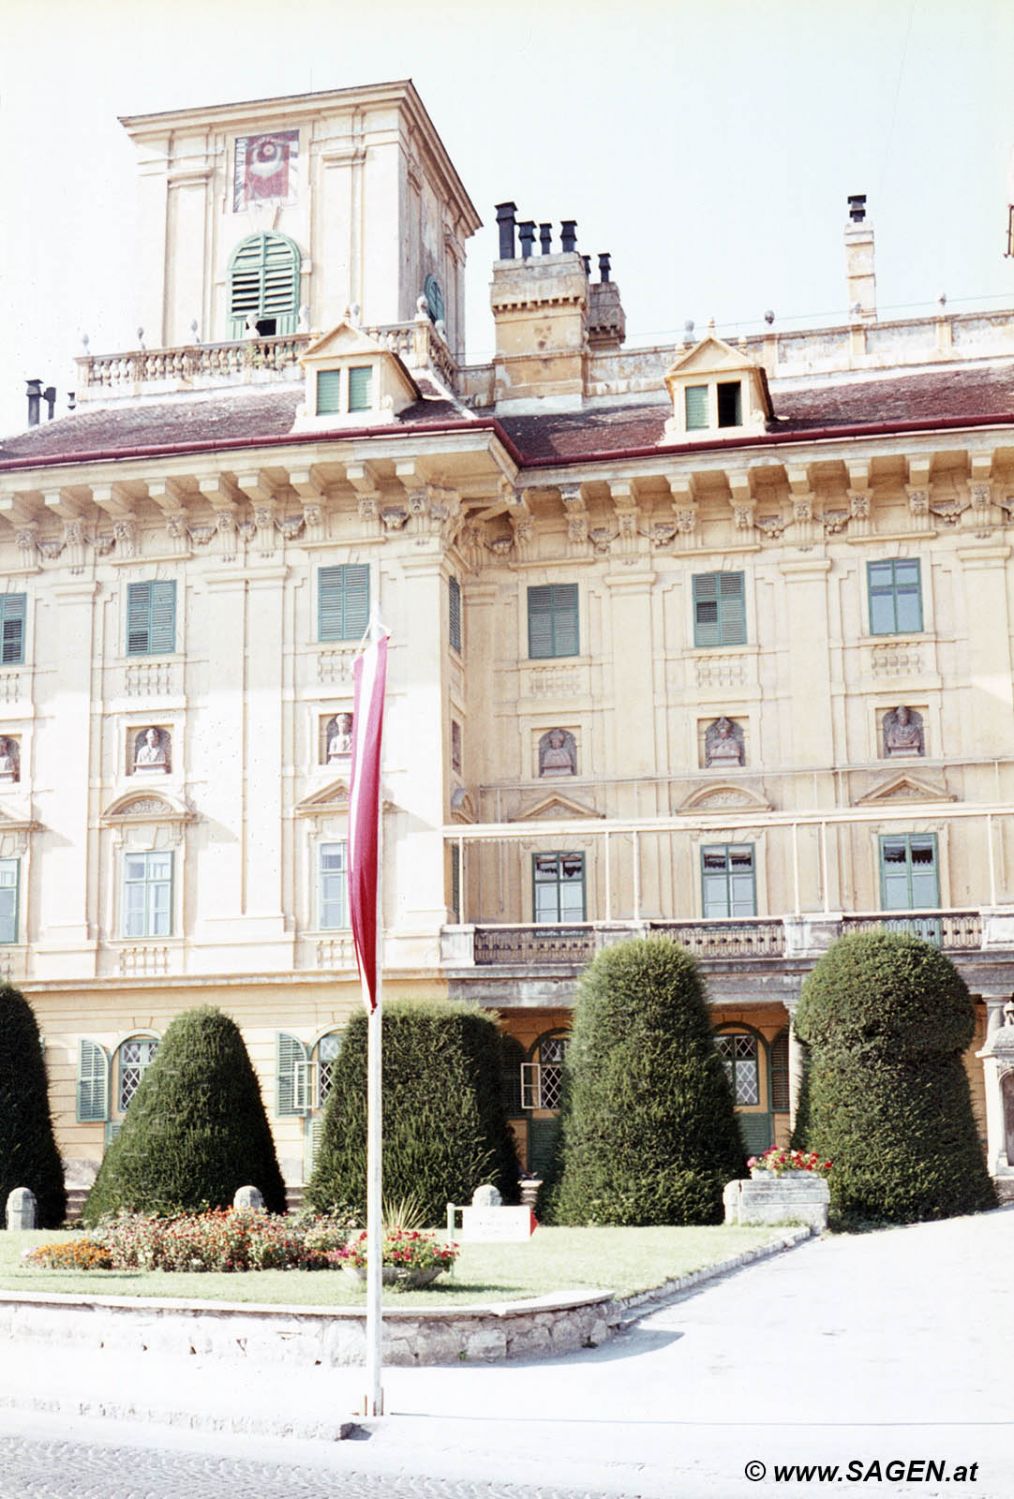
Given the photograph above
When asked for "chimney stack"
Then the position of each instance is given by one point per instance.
(505, 219)
(862, 282)
(49, 396)
(540, 307)
(34, 399)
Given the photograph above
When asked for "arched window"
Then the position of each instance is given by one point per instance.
(542, 1074)
(264, 285)
(740, 1056)
(326, 1054)
(134, 1057)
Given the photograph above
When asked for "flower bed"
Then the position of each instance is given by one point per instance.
(778, 1160)
(231, 1239)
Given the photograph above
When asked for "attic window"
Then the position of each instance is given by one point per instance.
(730, 403)
(360, 387)
(696, 398)
(328, 392)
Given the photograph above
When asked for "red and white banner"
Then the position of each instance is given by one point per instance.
(369, 676)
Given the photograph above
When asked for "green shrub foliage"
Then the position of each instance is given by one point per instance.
(445, 1130)
(28, 1153)
(649, 1131)
(886, 1018)
(195, 1130)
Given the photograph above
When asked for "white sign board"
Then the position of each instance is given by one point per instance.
(496, 1225)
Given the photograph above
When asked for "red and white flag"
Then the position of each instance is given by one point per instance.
(369, 676)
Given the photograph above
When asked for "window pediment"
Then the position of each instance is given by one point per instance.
(145, 806)
(720, 796)
(329, 799)
(905, 788)
(556, 809)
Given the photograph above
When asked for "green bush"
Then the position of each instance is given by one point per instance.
(886, 1018)
(28, 1153)
(649, 1131)
(195, 1130)
(445, 1130)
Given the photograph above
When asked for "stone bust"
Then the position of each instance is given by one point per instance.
(339, 737)
(8, 760)
(903, 733)
(723, 743)
(151, 750)
(557, 754)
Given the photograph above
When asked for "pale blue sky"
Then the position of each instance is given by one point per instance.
(710, 146)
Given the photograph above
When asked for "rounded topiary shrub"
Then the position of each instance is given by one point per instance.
(28, 1153)
(886, 1018)
(195, 1130)
(445, 1129)
(649, 1132)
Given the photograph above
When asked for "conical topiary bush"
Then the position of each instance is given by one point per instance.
(648, 1129)
(886, 1018)
(445, 1129)
(195, 1130)
(28, 1153)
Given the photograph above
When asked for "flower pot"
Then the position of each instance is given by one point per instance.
(394, 1275)
(758, 1174)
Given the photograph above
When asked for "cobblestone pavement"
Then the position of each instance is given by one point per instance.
(51, 1469)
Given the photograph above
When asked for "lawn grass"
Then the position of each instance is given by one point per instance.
(622, 1260)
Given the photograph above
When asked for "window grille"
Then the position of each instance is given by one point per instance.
(328, 1049)
(136, 1056)
(739, 1054)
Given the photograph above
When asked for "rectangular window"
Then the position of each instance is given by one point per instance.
(343, 601)
(9, 888)
(151, 618)
(558, 887)
(12, 628)
(695, 403)
(328, 392)
(148, 895)
(719, 609)
(552, 620)
(454, 604)
(333, 896)
(908, 872)
(361, 387)
(895, 597)
(730, 403)
(728, 882)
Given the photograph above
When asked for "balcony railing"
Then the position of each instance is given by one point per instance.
(535, 944)
(756, 937)
(952, 930)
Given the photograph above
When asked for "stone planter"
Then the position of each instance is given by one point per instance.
(393, 1275)
(529, 1191)
(793, 1197)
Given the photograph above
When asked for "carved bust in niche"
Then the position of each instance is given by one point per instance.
(557, 754)
(339, 737)
(723, 743)
(903, 733)
(151, 751)
(10, 766)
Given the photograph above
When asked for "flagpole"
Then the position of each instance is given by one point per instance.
(373, 1401)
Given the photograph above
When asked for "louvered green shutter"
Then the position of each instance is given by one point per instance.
(553, 620)
(12, 623)
(314, 1130)
(454, 601)
(329, 383)
(92, 1083)
(706, 625)
(9, 883)
(719, 609)
(343, 601)
(696, 405)
(264, 283)
(361, 387)
(293, 1074)
(151, 618)
(732, 596)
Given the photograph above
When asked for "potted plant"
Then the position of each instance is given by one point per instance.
(412, 1258)
(780, 1161)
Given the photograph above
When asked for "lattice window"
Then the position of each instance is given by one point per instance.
(136, 1056)
(740, 1058)
(328, 1048)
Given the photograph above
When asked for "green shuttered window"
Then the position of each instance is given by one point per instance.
(12, 629)
(895, 590)
(10, 874)
(293, 1075)
(151, 618)
(361, 387)
(695, 399)
(92, 1083)
(908, 872)
(728, 881)
(264, 285)
(454, 605)
(719, 609)
(329, 390)
(343, 601)
(552, 620)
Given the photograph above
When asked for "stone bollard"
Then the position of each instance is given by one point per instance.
(22, 1209)
(248, 1197)
(487, 1196)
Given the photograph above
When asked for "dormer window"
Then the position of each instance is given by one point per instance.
(340, 390)
(718, 390)
(360, 387)
(353, 380)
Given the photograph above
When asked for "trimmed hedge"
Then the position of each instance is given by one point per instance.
(195, 1130)
(28, 1153)
(887, 1018)
(649, 1131)
(445, 1130)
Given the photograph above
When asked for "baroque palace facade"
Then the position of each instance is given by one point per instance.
(713, 641)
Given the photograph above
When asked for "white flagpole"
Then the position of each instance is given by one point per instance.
(374, 1397)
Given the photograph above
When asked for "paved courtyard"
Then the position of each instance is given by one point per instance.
(864, 1352)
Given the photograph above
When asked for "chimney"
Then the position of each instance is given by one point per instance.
(607, 323)
(34, 399)
(49, 396)
(862, 283)
(540, 307)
